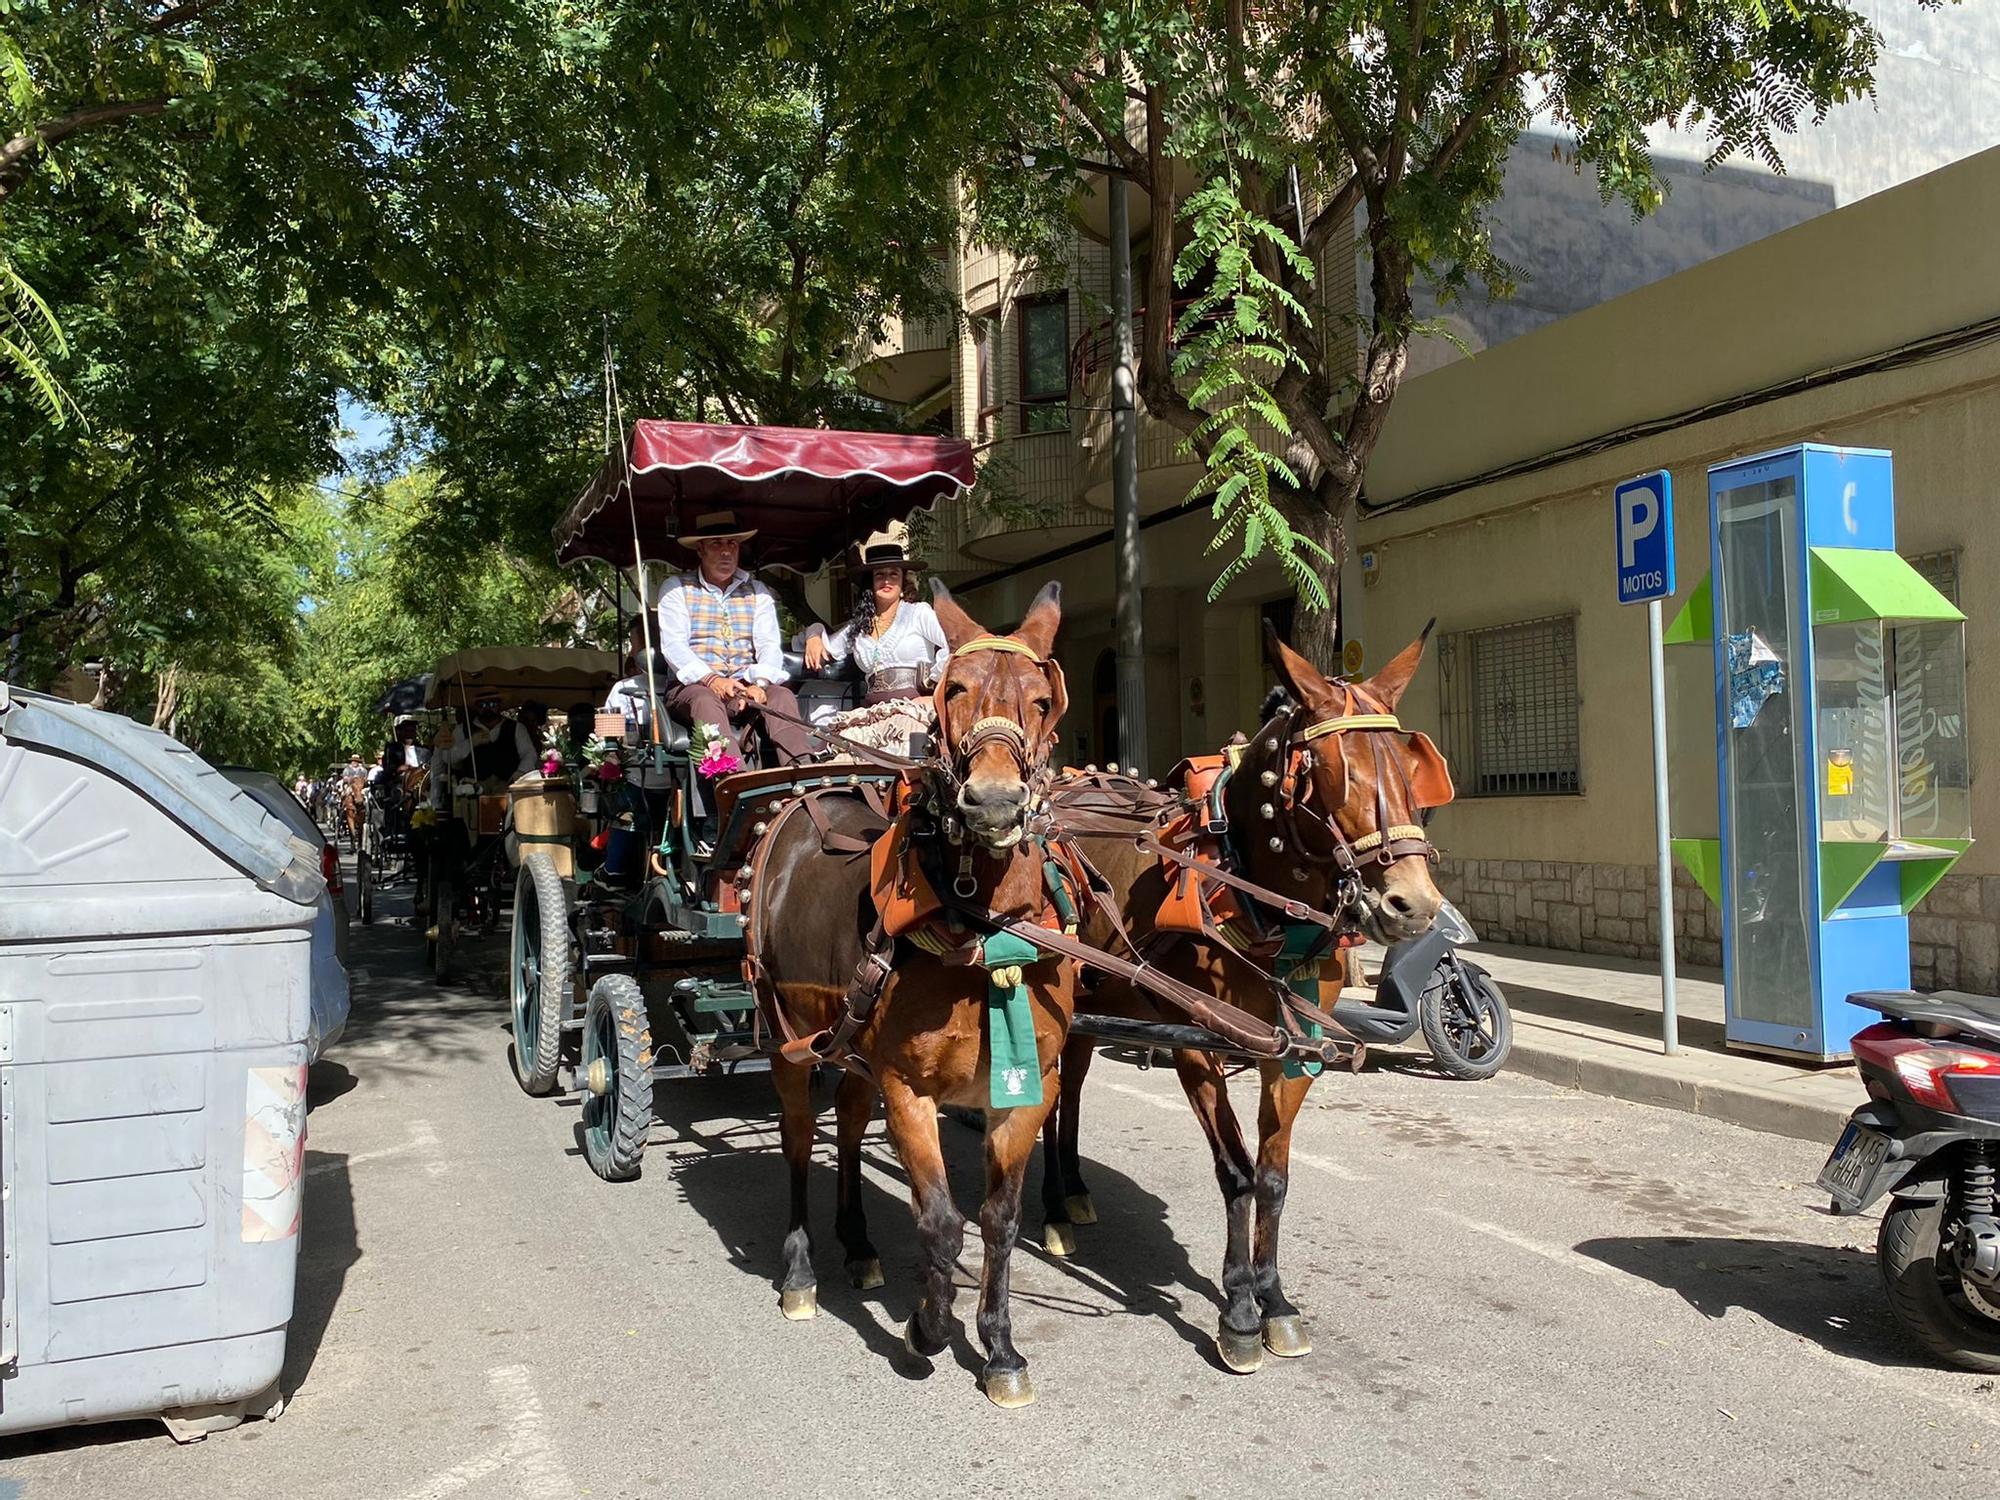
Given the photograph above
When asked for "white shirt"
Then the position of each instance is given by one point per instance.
(914, 639)
(769, 665)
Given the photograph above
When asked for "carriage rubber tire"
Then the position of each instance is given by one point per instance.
(616, 1124)
(443, 915)
(1444, 1050)
(536, 1063)
(361, 884)
(1914, 1267)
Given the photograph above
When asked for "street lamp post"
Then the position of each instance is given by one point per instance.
(1127, 566)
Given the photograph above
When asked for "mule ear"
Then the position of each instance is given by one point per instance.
(959, 627)
(1388, 685)
(1300, 677)
(1038, 629)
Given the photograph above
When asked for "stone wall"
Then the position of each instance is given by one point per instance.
(1600, 908)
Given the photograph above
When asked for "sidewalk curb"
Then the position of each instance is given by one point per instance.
(1756, 1108)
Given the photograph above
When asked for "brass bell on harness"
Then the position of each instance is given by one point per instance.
(1275, 844)
(1271, 745)
(1112, 767)
(1266, 811)
(1268, 778)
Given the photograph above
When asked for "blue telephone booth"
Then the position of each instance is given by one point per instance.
(1840, 801)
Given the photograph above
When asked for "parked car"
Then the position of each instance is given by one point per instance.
(329, 960)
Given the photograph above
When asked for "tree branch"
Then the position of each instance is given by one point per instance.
(187, 10)
(1116, 142)
(17, 156)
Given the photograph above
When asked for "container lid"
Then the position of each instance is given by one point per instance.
(172, 777)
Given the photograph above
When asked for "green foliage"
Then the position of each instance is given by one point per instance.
(1232, 356)
(29, 337)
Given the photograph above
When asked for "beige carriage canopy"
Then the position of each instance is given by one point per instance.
(553, 675)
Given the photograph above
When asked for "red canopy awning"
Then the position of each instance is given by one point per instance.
(809, 493)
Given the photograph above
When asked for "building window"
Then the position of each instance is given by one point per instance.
(986, 343)
(1044, 363)
(1509, 709)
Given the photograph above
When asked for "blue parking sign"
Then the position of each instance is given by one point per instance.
(1644, 510)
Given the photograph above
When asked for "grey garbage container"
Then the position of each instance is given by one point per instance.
(155, 946)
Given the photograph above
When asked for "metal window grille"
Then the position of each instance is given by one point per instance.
(1508, 709)
(1939, 570)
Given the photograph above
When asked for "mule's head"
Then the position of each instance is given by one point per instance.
(997, 706)
(1367, 780)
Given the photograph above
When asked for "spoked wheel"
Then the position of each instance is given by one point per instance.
(539, 976)
(1466, 1022)
(617, 1078)
(364, 877)
(444, 928)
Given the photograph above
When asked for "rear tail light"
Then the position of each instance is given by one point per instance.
(1920, 1065)
(329, 868)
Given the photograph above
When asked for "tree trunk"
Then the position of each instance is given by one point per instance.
(167, 696)
(1315, 631)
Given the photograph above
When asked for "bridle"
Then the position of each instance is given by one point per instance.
(954, 760)
(1302, 743)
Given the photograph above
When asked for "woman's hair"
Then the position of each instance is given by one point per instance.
(863, 619)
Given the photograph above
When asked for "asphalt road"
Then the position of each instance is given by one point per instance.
(1514, 1290)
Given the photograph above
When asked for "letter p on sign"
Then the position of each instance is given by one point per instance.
(1644, 512)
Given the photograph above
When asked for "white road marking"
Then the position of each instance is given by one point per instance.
(423, 1137)
(527, 1454)
(1177, 1104)
(1559, 1254)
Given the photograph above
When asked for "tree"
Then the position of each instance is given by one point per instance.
(1400, 113)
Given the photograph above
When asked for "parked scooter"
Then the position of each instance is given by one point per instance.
(1425, 983)
(1929, 1139)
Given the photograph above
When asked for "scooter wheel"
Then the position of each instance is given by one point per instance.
(1947, 1316)
(1467, 1024)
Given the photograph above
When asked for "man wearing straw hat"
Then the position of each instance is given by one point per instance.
(719, 632)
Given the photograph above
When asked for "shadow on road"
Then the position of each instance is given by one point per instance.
(403, 1020)
(727, 1165)
(1830, 1295)
(328, 1247)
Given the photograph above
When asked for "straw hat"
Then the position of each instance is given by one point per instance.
(887, 548)
(715, 526)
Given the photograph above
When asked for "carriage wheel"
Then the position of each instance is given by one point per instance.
(364, 878)
(444, 923)
(617, 1078)
(539, 975)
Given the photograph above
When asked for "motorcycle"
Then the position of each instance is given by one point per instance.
(1425, 984)
(1928, 1139)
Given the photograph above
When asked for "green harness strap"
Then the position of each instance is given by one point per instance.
(1302, 979)
(1015, 1074)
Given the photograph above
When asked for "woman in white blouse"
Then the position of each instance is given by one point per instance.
(897, 643)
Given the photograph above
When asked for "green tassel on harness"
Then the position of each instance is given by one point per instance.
(1302, 979)
(1015, 1076)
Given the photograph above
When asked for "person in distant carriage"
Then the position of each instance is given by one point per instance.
(719, 632)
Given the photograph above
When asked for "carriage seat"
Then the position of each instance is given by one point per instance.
(673, 734)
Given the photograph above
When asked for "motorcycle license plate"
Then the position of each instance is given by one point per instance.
(1851, 1167)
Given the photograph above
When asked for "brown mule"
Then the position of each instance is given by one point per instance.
(1374, 781)
(979, 811)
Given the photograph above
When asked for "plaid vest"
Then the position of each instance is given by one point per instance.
(721, 629)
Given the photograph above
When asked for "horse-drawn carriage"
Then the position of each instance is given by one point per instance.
(924, 924)
(468, 871)
(642, 884)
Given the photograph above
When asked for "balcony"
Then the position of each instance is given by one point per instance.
(909, 363)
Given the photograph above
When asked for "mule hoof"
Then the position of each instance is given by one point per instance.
(1059, 1240)
(1081, 1209)
(1008, 1388)
(1286, 1336)
(865, 1275)
(915, 1344)
(799, 1303)
(1242, 1352)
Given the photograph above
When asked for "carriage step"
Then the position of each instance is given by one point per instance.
(607, 961)
(710, 997)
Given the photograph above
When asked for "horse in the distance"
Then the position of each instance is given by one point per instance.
(876, 947)
(1321, 810)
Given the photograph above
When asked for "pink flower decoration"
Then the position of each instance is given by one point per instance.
(552, 765)
(609, 771)
(718, 762)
